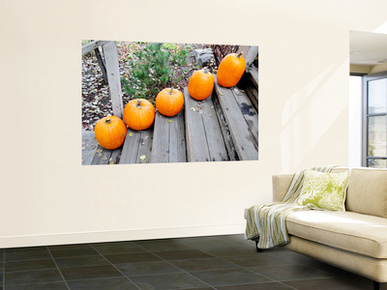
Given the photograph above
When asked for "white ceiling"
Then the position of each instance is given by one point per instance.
(368, 48)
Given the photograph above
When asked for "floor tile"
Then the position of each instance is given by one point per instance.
(117, 283)
(204, 242)
(164, 245)
(328, 283)
(116, 248)
(290, 272)
(71, 251)
(229, 277)
(21, 254)
(182, 254)
(131, 258)
(257, 260)
(40, 286)
(167, 281)
(29, 277)
(81, 261)
(41, 264)
(255, 286)
(203, 264)
(229, 250)
(144, 268)
(90, 272)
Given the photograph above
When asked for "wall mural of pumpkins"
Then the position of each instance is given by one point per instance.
(145, 102)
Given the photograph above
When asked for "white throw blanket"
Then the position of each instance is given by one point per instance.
(266, 222)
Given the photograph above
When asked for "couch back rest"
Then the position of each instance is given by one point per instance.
(367, 191)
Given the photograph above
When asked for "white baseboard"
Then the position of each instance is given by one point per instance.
(120, 235)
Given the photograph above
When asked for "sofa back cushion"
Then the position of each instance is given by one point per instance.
(367, 191)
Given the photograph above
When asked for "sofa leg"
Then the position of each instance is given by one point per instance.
(376, 285)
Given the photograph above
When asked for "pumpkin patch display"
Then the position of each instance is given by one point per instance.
(201, 84)
(231, 69)
(169, 102)
(139, 114)
(110, 132)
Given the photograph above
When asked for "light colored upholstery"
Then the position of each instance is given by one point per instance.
(355, 240)
(358, 233)
(367, 192)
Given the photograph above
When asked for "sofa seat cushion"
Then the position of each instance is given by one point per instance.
(353, 232)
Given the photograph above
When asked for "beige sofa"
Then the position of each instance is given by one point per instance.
(355, 240)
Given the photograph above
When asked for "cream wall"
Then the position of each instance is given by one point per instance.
(47, 197)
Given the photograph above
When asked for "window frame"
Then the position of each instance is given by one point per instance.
(365, 117)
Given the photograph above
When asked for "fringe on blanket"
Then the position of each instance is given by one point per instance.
(267, 222)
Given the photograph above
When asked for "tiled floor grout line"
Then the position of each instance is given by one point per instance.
(130, 280)
(176, 266)
(56, 265)
(244, 268)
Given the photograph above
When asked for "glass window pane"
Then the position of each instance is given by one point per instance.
(377, 136)
(377, 96)
(377, 163)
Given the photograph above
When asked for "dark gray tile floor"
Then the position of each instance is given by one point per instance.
(218, 262)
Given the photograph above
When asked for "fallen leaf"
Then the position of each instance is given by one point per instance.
(142, 157)
(130, 134)
(169, 121)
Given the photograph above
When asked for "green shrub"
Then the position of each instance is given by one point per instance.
(154, 68)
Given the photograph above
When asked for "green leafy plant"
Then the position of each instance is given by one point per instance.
(153, 68)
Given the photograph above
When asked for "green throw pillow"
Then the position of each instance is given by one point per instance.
(324, 190)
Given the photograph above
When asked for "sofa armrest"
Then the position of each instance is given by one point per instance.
(281, 184)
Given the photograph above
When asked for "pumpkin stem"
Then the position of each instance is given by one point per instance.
(108, 121)
(171, 92)
(139, 104)
(206, 70)
(240, 54)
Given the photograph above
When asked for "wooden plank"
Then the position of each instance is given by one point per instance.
(251, 55)
(248, 110)
(228, 141)
(252, 93)
(252, 70)
(92, 45)
(89, 147)
(113, 75)
(169, 139)
(197, 149)
(102, 156)
(215, 141)
(160, 147)
(246, 144)
(204, 137)
(137, 147)
(144, 147)
(177, 142)
(101, 63)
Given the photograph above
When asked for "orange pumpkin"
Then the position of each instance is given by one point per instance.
(201, 84)
(139, 114)
(110, 132)
(231, 69)
(169, 102)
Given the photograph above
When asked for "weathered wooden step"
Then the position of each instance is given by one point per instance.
(137, 146)
(94, 154)
(203, 132)
(242, 120)
(169, 139)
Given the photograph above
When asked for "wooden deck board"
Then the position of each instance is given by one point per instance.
(89, 147)
(137, 147)
(246, 143)
(169, 139)
(204, 137)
